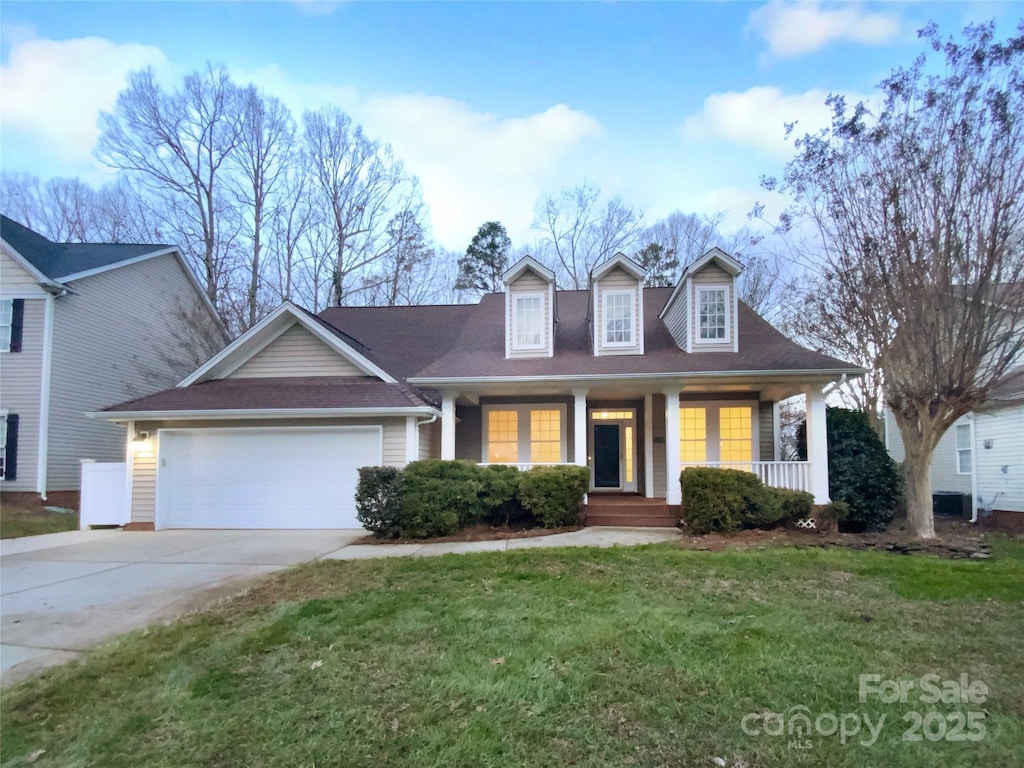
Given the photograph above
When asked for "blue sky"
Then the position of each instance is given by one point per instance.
(494, 105)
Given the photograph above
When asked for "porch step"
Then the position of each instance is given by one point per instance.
(630, 511)
(621, 520)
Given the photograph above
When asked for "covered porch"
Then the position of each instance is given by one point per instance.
(636, 437)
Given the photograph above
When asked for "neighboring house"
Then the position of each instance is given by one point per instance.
(634, 383)
(982, 454)
(82, 325)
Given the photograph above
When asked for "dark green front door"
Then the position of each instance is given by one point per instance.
(606, 456)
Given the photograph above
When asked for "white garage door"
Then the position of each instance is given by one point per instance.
(262, 478)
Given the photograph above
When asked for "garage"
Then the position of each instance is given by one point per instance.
(289, 477)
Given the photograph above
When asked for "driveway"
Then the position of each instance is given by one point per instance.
(62, 593)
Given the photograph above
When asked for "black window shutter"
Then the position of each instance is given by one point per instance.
(17, 321)
(11, 451)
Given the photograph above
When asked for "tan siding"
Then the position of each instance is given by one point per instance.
(766, 430)
(1005, 428)
(618, 280)
(15, 279)
(677, 318)
(144, 474)
(430, 440)
(118, 336)
(529, 282)
(658, 430)
(711, 275)
(20, 374)
(296, 352)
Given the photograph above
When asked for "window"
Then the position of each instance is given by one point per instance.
(503, 437)
(693, 444)
(735, 434)
(12, 313)
(545, 437)
(528, 321)
(3, 444)
(714, 316)
(8, 445)
(964, 463)
(524, 434)
(618, 318)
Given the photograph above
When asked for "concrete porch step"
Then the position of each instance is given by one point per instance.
(626, 519)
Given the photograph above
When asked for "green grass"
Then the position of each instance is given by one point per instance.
(17, 520)
(642, 656)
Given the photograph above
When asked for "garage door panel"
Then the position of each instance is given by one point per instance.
(263, 478)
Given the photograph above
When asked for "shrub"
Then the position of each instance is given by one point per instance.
(725, 500)
(827, 516)
(554, 494)
(379, 500)
(500, 493)
(438, 497)
(861, 472)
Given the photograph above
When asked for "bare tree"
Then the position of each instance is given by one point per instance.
(177, 144)
(582, 233)
(403, 264)
(361, 185)
(920, 213)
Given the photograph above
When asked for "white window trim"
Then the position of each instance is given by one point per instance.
(605, 295)
(3, 440)
(5, 322)
(969, 449)
(516, 347)
(712, 435)
(696, 314)
(523, 426)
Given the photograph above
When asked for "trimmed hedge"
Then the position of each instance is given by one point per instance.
(437, 498)
(726, 500)
(554, 494)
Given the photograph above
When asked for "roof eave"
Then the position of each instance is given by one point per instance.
(450, 381)
(260, 413)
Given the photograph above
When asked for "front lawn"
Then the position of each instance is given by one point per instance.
(31, 519)
(650, 656)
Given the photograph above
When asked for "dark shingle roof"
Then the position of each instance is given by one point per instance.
(58, 260)
(288, 393)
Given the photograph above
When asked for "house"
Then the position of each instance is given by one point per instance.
(634, 383)
(81, 326)
(982, 453)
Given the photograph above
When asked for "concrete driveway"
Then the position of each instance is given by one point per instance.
(64, 592)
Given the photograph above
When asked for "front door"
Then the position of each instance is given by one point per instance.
(606, 456)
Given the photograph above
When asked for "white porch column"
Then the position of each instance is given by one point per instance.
(817, 445)
(579, 423)
(649, 445)
(448, 424)
(673, 494)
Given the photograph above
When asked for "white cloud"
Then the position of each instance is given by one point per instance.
(757, 117)
(793, 29)
(52, 92)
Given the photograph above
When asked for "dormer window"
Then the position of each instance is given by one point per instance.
(528, 321)
(618, 316)
(713, 304)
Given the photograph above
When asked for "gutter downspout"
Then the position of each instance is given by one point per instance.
(975, 501)
(44, 395)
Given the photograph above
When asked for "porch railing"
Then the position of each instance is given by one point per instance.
(524, 466)
(795, 475)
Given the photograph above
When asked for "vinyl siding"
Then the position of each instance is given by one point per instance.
(15, 279)
(20, 374)
(676, 320)
(712, 275)
(468, 433)
(430, 440)
(618, 280)
(296, 352)
(766, 430)
(944, 472)
(1005, 428)
(144, 472)
(118, 336)
(529, 282)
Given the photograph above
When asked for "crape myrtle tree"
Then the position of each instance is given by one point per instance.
(918, 205)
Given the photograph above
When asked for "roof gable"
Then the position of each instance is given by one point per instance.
(717, 255)
(623, 262)
(524, 264)
(261, 335)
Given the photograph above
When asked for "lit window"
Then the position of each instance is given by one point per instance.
(6, 321)
(545, 436)
(503, 437)
(618, 318)
(629, 454)
(529, 322)
(964, 463)
(693, 446)
(611, 415)
(735, 434)
(713, 315)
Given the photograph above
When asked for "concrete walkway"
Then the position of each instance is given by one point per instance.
(63, 592)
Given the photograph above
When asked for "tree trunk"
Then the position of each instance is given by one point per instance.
(919, 491)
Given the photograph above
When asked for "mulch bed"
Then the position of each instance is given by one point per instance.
(477, 533)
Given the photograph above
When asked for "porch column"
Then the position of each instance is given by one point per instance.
(448, 424)
(817, 445)
(579, 422)
(673, 493)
